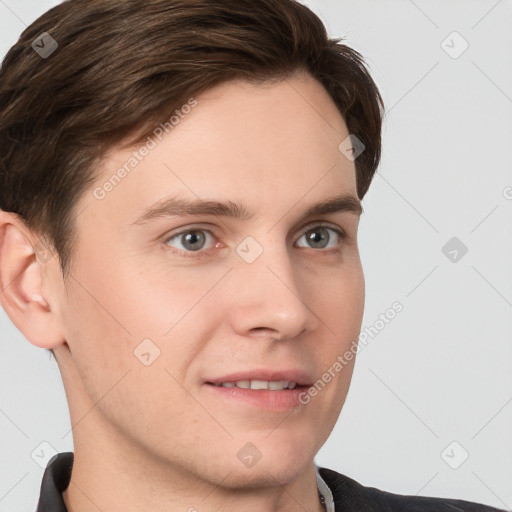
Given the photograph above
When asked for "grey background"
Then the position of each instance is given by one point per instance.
(441, 371)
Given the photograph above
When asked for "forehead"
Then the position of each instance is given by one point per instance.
(252, 143)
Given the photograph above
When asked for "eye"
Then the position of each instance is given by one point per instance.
(319, 237)
(191, 240)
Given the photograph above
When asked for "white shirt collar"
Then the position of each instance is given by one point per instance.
(324, 490)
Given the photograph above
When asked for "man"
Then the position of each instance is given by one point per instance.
(191, 373)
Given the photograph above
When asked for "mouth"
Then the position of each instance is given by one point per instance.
(268, 390)
(273, 385)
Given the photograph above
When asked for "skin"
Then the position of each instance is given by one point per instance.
(155, 437)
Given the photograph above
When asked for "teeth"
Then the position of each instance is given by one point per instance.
(261, 384)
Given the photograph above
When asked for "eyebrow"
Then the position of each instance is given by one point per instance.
(174, 206)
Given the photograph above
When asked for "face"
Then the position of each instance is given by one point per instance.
(163, 307)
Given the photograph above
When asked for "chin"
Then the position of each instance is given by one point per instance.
(274, 459)
(268, 473)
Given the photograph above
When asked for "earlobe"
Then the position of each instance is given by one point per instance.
(21, 293)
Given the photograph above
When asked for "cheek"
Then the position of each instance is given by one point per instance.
(341, 307)
(340, 299)
(97, 339)
(114, 312)
(103, 308)
(147, 401)
(163, 296)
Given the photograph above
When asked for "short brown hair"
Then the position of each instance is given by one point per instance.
(120, 68)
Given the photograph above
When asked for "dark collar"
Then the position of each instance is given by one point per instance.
(55, 480)
(351, 496)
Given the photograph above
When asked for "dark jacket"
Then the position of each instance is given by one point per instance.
(349, 496)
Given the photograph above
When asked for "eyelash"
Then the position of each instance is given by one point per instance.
(204, 253)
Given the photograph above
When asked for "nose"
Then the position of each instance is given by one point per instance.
(270, 299)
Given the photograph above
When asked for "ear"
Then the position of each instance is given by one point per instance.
(21, 274)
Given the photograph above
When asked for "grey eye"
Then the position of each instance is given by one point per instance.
(319, 237)
(191, 240)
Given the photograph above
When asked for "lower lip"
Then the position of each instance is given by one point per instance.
(282, 400)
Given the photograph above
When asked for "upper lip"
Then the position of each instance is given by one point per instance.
(301, 377)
